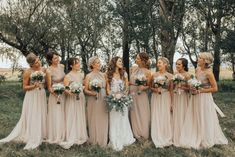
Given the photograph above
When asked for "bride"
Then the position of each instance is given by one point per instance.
(116, 83)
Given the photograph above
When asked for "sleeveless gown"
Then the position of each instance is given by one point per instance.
(31, 128)
(97, 114)
(140, 111)
(56, 112)
(75, 118)
(201, 128)
(161, 119)
(181, 100)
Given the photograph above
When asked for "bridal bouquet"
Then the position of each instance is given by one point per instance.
(160, 82)
(177, 80)
(140, 80)
(118, 102)
(37, 76)
(76, 88)
(193, 82)
(59, 90)
(95, 85)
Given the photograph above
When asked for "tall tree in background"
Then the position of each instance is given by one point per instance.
(196, 35)
(87, 21)
(106, 28)
(214, 13)
(227, 44)
(26, 26)
(171, 16)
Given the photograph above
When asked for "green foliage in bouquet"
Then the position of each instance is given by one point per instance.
(118, 104)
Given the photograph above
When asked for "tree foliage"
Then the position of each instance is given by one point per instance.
(117, 27)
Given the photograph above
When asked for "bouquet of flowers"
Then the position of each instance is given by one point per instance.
(177, 80)
(59, 90)
(76, 88)
(160, 82)
(194, 83)
(37, 76)
(140, 80)
(95, 85)
(118, 102)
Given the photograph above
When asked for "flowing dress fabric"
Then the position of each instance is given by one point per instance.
(120, 133)
(161, 119)
(191, 134)
(97, 114)
(211, 131)
(140, 111)
(201, 128)
(31, 128)
(56, 112)
(181, 100)
(75, 118)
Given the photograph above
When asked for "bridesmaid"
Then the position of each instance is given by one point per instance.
(208, 131)
(96, 106)
(31, 128)
(161, 105)
(140, 111)
(75, 118)
(120, 133)
(181, 99)
(56, 115)
(212, 133)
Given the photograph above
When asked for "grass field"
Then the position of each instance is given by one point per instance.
(11, 97)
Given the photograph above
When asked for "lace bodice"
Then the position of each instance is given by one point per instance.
(135, 73)
(117, 85)
(99, 76)
(78, 77)
(201, 76)
(57, 74)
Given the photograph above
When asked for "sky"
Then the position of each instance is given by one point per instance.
(5, 63)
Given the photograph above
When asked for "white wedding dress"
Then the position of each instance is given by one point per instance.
(120, 133)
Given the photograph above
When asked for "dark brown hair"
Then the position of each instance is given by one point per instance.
(112, 68)
(145, 59)
(50, 56)
(184, 63)
(71, 62)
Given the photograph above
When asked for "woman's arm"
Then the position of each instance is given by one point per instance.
(155, 90)
(66, 84)
(170, 88)
(48, 81)
(108, 92)
(87, 88)
(213, 88)
(126, 84)
(26, 80)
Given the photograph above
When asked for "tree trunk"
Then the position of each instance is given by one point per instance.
(168, 35)
(206, 36)
(216, 65)
(168, 46)
(217, 32)
(125, 45)
(84, 60)
(233, 65)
